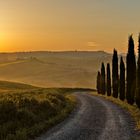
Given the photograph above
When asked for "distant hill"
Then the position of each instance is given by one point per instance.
(53, 69)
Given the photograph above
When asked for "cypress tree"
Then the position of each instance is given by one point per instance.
(99, 82)
(131, 72)
(108, 80)
(122, 80)
(138, 77)
(115, 74)
(103, 79)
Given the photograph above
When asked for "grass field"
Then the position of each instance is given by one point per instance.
(53, 69)
(27, 111)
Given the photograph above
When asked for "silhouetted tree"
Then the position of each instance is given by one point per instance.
(138, 77)
(108, 80)
(99, 82)
(103, 79)
(115, 74)
(131, 72)
(122, 80)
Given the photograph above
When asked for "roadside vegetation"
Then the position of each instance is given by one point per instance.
(126, 84)
(132, 109)
(27, 111)
(125, 87)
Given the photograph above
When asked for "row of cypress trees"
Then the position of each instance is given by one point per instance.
(125, 81)
(138, 77)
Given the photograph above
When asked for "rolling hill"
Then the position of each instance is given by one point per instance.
(53, 69)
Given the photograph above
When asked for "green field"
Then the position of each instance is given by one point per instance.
(27, 111)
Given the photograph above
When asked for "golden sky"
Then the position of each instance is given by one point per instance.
(56, 25)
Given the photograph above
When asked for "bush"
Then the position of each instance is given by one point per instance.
(8, 111)
(23, 116)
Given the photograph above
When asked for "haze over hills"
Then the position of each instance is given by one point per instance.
(53, 69)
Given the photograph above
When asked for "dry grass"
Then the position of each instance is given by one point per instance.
(31, 110)
(67, 69)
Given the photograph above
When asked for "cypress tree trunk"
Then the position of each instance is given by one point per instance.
(122, 80)
(108, 80)
(103, 79)
(131, 72)
(138, 78)
(99, 82)
(115, 74)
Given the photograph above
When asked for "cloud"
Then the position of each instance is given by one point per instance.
(92, 44)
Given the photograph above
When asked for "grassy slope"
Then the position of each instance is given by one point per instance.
(27, 111)
(14, 85)
(132, 109)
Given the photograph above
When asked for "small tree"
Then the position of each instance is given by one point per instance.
(108, 80)
(115, 77)
(131, 72)
(122, 80)
(103, 79)
(138, 77)
(99, 82)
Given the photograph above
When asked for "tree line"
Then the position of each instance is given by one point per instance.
(125, 81)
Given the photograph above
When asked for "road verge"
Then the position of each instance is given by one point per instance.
(132, 109)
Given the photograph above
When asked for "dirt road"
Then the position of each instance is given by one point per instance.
(94, 119)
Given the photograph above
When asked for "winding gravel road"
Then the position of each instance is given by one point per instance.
(94, 119)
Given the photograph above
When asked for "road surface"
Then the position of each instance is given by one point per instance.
(94, 119)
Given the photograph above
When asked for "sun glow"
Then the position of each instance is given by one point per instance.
(51, 25)
(2, 38)
(2, 34)
(6, 41)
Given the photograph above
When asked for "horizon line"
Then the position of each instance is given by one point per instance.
(56, 51)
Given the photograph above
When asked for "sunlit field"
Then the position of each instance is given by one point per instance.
(53, 69)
